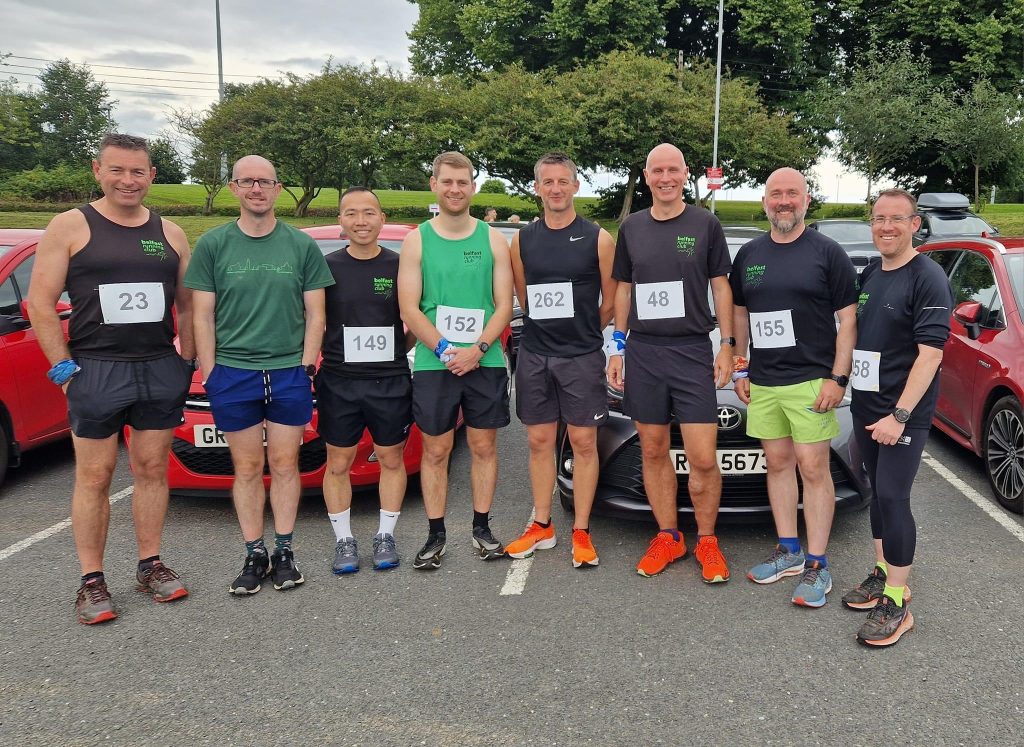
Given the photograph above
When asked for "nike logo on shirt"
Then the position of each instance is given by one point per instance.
(577, 238)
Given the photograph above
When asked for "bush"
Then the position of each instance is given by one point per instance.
(58, 184)
(845, 211)
(494, 186)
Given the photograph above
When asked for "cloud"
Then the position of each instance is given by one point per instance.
(156, 60)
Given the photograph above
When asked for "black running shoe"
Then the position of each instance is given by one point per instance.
(886, 624)
(253, 572)
(868, 594)
(430, 556)
(284, 571)
(485, 545)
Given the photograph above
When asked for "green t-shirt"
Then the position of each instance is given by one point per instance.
(457, 276)
(259, 282)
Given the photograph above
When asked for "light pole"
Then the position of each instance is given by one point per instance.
(718, 92)
(220, 89)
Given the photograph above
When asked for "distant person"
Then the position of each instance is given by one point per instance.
(123, 267)
(514, 218)
(258, 287)
(789, 287)
(455, 292)
(490, 215)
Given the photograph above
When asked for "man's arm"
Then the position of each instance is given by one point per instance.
(888, 430)
(315, 303)
(741, 331)
(721, 293)
(609, 285)
(518, 274)
(831, 393)
(182, 295)
(410, 292)
(49, 276)
(204, 304)
(623, 296)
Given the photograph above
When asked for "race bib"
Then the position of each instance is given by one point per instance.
(772, 329)
(369, 344)
(132, 303)
(864, 375)
(460, 325)
(660, 300)
(550, 300)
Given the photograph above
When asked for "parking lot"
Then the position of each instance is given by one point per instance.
(531, 653)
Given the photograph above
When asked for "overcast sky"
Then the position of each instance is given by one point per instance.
(159, 56)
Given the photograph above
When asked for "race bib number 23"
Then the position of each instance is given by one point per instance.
(131, 303)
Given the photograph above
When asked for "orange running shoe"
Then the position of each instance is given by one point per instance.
(535, 537)
(662, 551)
(583, 552)
(712, 562)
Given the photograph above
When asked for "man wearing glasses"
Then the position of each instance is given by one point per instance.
(788, 287)
(259, 320)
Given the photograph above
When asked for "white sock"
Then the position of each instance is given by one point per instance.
(341, 524)
(388, 519)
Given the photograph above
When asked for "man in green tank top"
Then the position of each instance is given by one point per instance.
(455, 293)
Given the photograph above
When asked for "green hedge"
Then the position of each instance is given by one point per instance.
(58, 184)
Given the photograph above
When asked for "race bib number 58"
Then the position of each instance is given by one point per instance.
(459, 325)
(131, 303)
(864, 375)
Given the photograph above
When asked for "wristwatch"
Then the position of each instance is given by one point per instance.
(484, 347)
(310, 370)
(729, 341)
(901, 415)
(840, 380)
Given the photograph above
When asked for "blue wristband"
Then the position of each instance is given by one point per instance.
(619, 338)
(63, 372)
(442, 345)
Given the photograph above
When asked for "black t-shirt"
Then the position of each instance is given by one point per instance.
(792, 292)
(655, 255)
(564, 256)
(364, 294)
(897, 311)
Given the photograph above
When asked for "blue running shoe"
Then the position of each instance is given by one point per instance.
(779, 564)
(346, 556)
(385, 553)
(816, 583)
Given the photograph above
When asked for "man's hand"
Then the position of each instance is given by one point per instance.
(742, 389)
(829, 397)
(615, 377)
(886, 431)
(464, 360)
(723, 366)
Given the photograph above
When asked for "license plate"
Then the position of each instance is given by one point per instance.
(208, 437)
(730, 461)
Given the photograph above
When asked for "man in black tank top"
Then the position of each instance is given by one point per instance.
(562, 268)
(122, 265)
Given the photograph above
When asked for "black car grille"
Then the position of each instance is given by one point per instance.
(217, 461)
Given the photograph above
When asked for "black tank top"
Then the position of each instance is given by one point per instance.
(565, 255)
(122, 286)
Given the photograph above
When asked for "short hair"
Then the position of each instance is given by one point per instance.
(894, 192)
(454, 159)
(354, 190)
(554, 158)
(124, 142)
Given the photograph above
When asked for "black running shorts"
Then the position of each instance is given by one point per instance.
(672, 382)
(482, 394)
(347, 405)
(573, 390)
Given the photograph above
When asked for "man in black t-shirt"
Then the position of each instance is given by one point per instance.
(902, 326)
(665, 259)
(788, 287)
(364, 380)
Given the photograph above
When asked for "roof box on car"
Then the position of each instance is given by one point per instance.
(943, 201)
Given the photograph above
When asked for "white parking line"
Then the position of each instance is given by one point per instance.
(515, 579)
(975, 497)
(60, 526)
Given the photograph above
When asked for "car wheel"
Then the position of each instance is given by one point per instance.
(1004, 452)
(5, 453)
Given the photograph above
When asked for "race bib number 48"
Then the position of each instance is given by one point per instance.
(864, 375)
(660, 300)
(459, 325)
(550, 300)
(131, 303)
(772, 329)
(369, 344)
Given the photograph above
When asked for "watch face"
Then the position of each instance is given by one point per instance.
(901, 415)
(484, 347)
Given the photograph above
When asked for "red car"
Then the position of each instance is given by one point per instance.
(200, 463)
(982, 378)
(32, 410)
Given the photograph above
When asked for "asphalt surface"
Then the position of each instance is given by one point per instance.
(595, 657)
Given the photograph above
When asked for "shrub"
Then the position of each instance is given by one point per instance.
(845, 211)
(58, 184)
(494, 186)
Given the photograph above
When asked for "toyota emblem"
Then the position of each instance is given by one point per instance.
(729, 417)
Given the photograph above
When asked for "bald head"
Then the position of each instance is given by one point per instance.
(785, 203)
(663, 153)
(257, 162)
(787, 176)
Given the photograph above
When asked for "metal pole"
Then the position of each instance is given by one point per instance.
(718, 92)
(220, 89)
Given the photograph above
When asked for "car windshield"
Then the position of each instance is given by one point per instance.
(963, 225)
(332, 245)
(4, 248)
(1015, 269)
(846, 232)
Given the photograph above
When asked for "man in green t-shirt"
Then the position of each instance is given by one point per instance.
(455, 294)
(259, 320)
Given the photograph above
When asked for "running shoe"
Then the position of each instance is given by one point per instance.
(886, 624)
(346, 556)
(662, 551)
(816, 583)
(535, 537)
(779, 564)
(385, 552)
(93, 604)
(161, 582)
(284, 571)
(486, 545)
(583, 552)
(712, 563)
(430, 556)
(253, 572)
(869, 593)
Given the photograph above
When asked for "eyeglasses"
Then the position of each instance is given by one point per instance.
(896, 220)
(248, 183)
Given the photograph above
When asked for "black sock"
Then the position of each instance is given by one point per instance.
(147, 563)
(543, 524)
(582, 529)
(436, 525)
(480, 519)
(94, 576)
(256, 547)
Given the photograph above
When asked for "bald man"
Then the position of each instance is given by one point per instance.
(789, 285)
(258, 289)
(665, 259)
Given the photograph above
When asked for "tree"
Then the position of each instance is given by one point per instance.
(494, 186)
(74, 112)
(19, 137)
(207, 159)
(169, 168)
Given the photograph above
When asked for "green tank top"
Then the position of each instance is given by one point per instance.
(458, 282)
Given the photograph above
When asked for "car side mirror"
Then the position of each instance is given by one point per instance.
(62, 308)
(968, 314)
